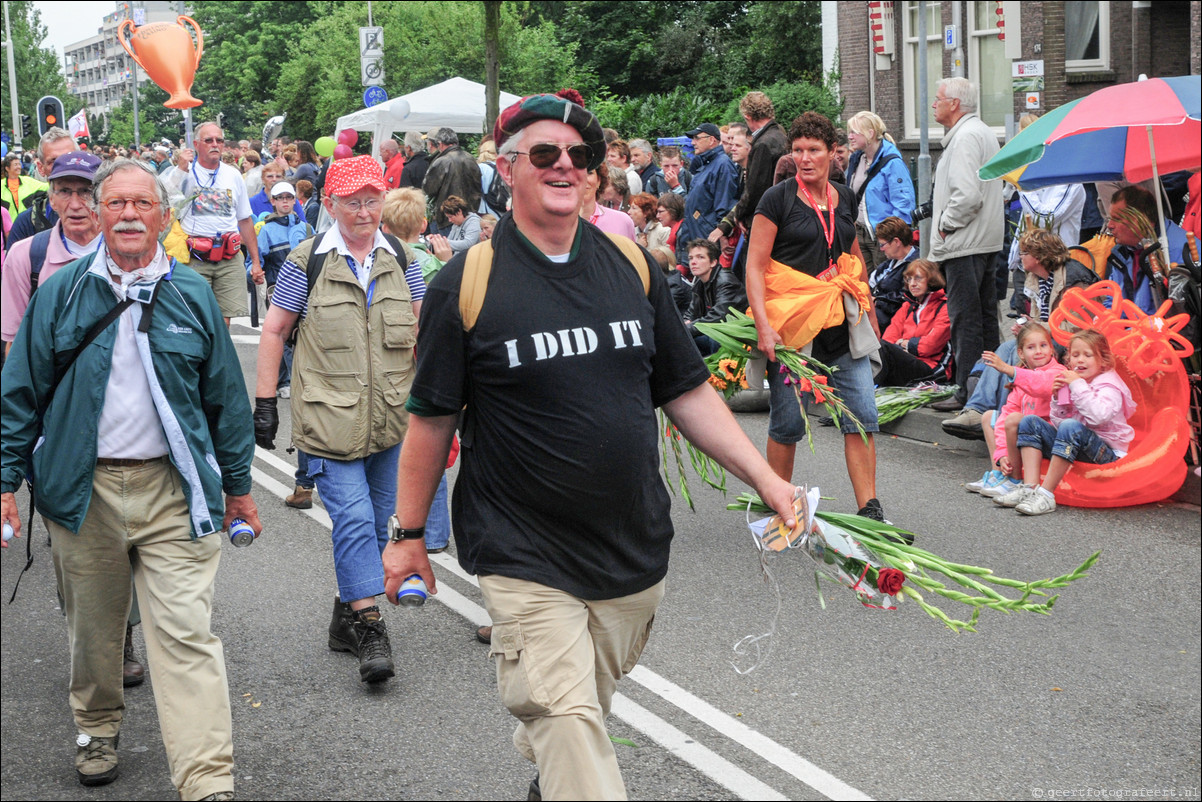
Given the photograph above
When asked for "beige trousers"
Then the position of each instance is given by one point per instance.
(143, 511)
(558, 661)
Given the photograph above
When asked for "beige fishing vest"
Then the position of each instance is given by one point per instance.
(353, 365)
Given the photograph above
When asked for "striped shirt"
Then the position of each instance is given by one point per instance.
(292, 285)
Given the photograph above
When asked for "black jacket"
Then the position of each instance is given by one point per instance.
(713, 299)
(414, 172)
(453, 172)
(769, 145)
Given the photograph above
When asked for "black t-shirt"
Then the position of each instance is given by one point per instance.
(559, 482)
(801, 244)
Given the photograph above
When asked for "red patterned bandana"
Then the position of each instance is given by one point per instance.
(348, 176)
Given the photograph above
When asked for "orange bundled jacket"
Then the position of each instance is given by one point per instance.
(799, 305)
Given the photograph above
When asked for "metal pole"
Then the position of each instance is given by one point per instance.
(924, 136)
(187, 112)
(12, 79)
(369, 24)
(137, 131)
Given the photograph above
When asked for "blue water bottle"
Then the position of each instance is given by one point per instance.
(412, 592)
(240, 533)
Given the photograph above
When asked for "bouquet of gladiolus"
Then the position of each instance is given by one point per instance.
(894, 402)
(878, 562)
(737, 343)
(709, 470)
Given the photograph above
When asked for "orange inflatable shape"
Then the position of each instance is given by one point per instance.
(166, 52)
(1148, 350)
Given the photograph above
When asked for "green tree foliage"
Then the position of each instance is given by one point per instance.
(651, 66)
(37, 67)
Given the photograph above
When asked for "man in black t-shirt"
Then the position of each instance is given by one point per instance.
(559, 507)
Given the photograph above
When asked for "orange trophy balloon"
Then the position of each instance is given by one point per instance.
(166, 52)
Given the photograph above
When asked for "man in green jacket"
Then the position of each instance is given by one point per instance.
(130, 447)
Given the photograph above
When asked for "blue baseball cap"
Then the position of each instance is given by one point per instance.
(77, 164)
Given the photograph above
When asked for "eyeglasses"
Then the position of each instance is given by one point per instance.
(213, 140)
(915, 278)
(64, 194)
(119, 204)
(546, 155)
(286, 197)
(356, 205)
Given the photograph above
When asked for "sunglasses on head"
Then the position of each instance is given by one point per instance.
(546, 155)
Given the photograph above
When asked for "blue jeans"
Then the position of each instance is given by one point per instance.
(1072, 441)
(704, 343)
(285, 375)
(852, 379)
(438, 522)
(991, 392)
(360, 496)
(303, 479)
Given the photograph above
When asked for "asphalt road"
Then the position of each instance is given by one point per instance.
(1100, 700)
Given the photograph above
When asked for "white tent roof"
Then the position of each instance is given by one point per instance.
(456, 103)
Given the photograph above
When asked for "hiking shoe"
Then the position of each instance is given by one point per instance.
(966, 425)
(375, 650)
(284, 392)
(301, 498)
(342, 629)
(1014, 497)
(990, 479)
(96, 759)
(872, 510)
(132, 671)
(953, 404)
(1037, 503)
(1007, 485)
(220, 796)
(534, 793)
(484, 635)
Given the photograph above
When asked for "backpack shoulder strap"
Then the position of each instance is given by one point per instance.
(474, 283)
(37, 256)
(872, 173)
(316, 261)
(631, 250)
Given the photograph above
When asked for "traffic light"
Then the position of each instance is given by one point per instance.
(50, 114)
(25, 126)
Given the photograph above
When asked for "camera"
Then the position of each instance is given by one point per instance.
(923, 212)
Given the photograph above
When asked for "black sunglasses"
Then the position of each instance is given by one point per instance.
(544, 156)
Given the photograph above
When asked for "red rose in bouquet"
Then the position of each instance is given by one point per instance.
(889, 581)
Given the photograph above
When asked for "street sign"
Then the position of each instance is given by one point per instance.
(374, 96)
(1025, 69)
(1032, 100)
(371, 56)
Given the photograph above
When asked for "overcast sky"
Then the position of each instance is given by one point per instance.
(67, 23)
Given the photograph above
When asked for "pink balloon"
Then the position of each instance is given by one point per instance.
(343, 152)
(348, 137)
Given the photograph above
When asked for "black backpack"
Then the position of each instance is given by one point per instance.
(496, 196)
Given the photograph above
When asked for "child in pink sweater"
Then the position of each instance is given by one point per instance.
(1090, 410)
(1032, 395)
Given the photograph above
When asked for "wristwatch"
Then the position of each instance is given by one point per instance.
(396, 533)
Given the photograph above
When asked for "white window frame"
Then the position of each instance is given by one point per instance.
(909, 50)
(1103, 60)
(974, 56)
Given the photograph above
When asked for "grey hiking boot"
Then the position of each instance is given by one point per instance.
(96, 759)
(342, 629)
(375, 650)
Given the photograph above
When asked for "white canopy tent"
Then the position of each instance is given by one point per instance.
(456, 103)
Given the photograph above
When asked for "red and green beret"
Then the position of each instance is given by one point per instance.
(553, 107)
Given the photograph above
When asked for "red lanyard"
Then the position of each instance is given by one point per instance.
(828, 231)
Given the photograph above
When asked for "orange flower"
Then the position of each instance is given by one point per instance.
(727, 366)
(717, 382)
(818, 396)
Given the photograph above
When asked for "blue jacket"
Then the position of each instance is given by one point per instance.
(1136, 287)
(195, 378)
(260, 203)
(890, 193)
(714, 192)
(277, 238)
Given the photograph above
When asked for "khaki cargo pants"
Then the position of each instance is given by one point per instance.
(558, 660)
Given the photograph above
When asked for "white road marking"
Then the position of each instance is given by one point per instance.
(709, 763)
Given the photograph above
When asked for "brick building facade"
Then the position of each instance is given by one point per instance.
(1083, 46)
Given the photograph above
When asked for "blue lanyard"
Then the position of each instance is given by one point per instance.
(212, 181)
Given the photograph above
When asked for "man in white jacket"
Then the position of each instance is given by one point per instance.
(968, 227)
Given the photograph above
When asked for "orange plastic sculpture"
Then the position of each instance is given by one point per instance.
(166, 52)
(1148, 350)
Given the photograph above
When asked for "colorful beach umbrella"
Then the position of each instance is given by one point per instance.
(1132, 131)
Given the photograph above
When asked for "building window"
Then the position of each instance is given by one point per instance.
(1086, 36)
(934, 56)
(988, 66)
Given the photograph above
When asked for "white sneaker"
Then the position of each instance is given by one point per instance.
(1007, 485)
(1037, 503)
(989, 479)
(1014, 497)
(284, 392)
